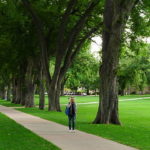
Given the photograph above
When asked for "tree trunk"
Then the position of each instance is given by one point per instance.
(18, 84)
(9, 93)
(2, 92)
(57, 98)
(62, 86)
(41, 96)
(41, 91)
(5, 93)
(95, 92)
(53, 88)
(29, 97)
(29, 82)
(87, 91)
(24, 91)
(18, 91)
(14, 90)
(62, 89)
(23, 84)
(122, 92)
(115, 16)
(53, 95)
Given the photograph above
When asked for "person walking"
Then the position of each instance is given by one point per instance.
(71, 114)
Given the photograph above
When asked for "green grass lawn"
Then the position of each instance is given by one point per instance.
(134, 116)
(79, 99)
(15, 137)
(85, 99)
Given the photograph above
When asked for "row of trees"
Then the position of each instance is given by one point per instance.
(133, 75)
(40, 40)
(44, 39)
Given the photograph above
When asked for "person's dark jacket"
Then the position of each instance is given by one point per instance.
(72, 109)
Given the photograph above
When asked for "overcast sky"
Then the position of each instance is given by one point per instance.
(96, 46)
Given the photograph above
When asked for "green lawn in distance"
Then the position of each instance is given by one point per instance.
(86, 99)
(79, 99)
(15, 137)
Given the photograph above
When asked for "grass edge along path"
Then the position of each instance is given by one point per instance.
(14, 136)
(59, 134)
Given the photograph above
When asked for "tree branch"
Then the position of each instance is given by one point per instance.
(64, 22)
(36, 19)
(73, 34)
(42, 40)
(80, 24)
(59, 56)
(71, 55)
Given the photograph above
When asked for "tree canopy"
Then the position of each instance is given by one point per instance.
(44, 46)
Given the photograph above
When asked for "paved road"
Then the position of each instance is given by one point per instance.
(59, 135)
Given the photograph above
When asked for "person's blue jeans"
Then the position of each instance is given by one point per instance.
(71, 122)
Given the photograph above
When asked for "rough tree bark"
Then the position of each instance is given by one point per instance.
(13, 90)
(29, 83)
(87, 91)
(23, 85)
(2, 92)
(18, 85)
(18, 91)
(41, 96)
(41, 90)
(122, 92)
(62, 90)
(115, 16)
(23, 89)
(62, 86)
(9, 93)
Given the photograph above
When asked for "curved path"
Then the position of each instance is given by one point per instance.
(59, 135)
(131, 99)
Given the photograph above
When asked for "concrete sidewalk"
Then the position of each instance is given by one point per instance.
(59, 135)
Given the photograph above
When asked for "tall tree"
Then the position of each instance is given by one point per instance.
(116, 14)
(77, 22)
(17, 30)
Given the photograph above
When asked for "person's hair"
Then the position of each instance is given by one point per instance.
(72, 100)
